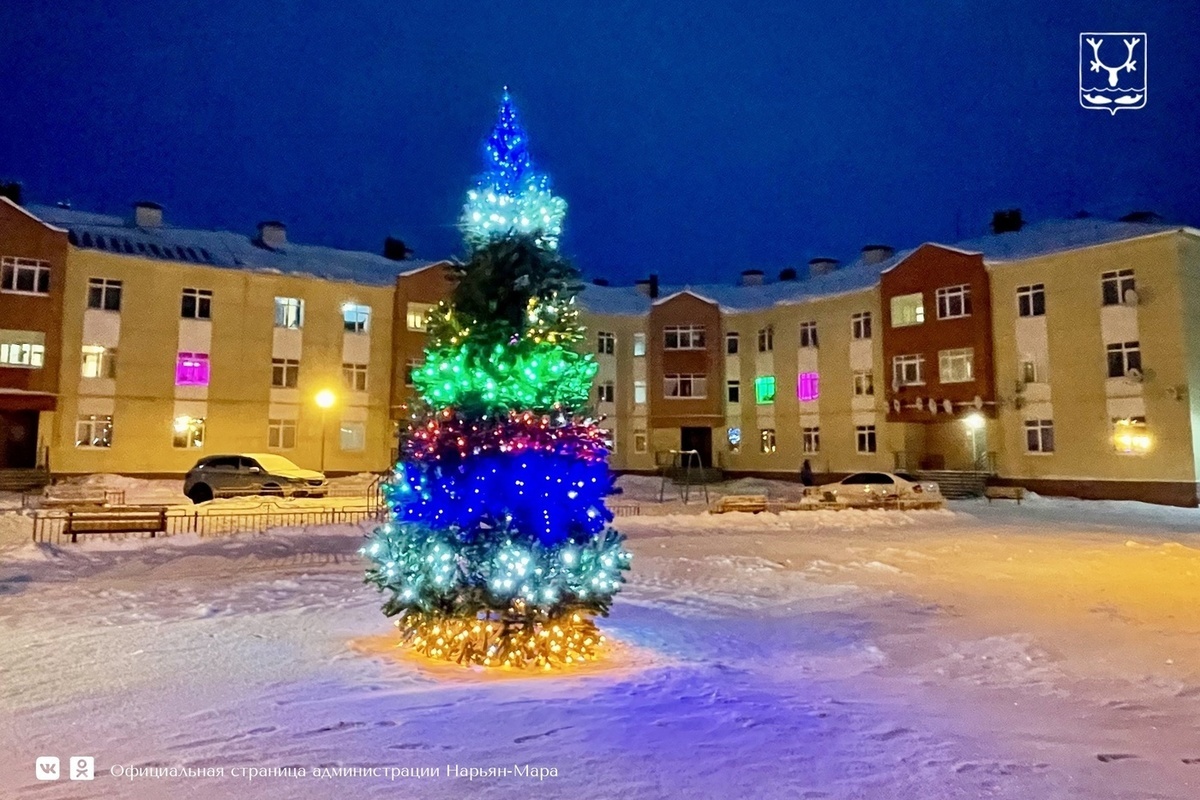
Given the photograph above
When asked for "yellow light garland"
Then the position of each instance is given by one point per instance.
(505, 643)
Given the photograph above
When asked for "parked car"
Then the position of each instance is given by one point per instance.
(868, 488)
(251, 474)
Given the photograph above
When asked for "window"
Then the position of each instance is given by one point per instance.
(197, 304)
(864, 383)
(641, 443)
(908, 309)
(410, 368)
(606, 343)
(1039, 436)
(808, 386)
(1028, 371)
(418, 316)
(1113, 286)
(353, 436)
(191, 369)
(24, 275)
(289, 312)
(764, 389)
(864, 438)
(1129, 435)
(93, 430)
(355, 376)
(1123, 357)
(734, 437)
(954, 301)
(639, 344)
(22, 349)
(189, 432)
(732, 343)
(766, 339)
(766, 440)
(733, 391)
(639, 392)
(906, 370)
(1031, 300)
(860, 325)
(808, 334)
(811, 440)
(104, 294)
(685, 385)
(956, 366)
(683, 337)
(606, 392)
(356, 318)
(98, 362)
(281, 434)
(285, 372)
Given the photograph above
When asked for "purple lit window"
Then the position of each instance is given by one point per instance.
(808, 386)
(191, 369)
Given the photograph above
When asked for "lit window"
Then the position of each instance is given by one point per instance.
(683, 337)
(192, 369)
(24, 275)
(864, 383)
(639, 392)
(766, 339)
(93, 430)
(98, 362)
(764, 389)
(410, 368)
(356, 318)
(1039, 436)
(104, 294)
(1130, 436)
(197, 304)
(907, 370)
(732, 343)
(606, 392)
(811, 440)
(956, 366)
(189, 432)
(1031, 300)
(808, 334)
(685, 385)
(860, 325)
(1123, 359)
(908, 309)
(289, 312)
(418, 316)
(1116, 288)
(734, 437)
(355, 377)
(954, 301)
(808, 386)
(353, 436)
(1028, 370)
(864, 438)
(606, 343)
(22, 349)
(640, 442)
(281, 434)
(285, 373)
(766, 440)
(639, 344)
(733, 391)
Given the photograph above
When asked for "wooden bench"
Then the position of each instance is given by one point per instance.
(148, 520)
(1004, 493)
(751, 503)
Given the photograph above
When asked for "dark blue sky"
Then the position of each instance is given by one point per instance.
(693, 138)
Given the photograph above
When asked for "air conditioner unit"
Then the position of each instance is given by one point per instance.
(1134, 375)
(1130, 298)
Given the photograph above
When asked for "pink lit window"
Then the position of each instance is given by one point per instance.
(191, 369)
(808, 386)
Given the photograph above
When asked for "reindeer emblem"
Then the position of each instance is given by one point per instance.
(1100, 86)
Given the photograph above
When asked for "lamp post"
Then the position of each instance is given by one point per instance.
(325, 400)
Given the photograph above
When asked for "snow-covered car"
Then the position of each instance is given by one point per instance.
(870, 488)
(250, 474)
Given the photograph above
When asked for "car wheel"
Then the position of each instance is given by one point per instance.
(200, 493)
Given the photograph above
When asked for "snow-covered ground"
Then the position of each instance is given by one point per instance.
(1048, 650)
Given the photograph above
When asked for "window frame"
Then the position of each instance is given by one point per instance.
(352, 426)
(1031, 300)
(278, 429)
(808, 387)
(287, 366)
(810, 440)
(104, 289)
(606, 343)
(808, 335)
(733, 391)
(763, 396)
(946, 295)
(201, 304)
(903, 361)
(766, 339)
(1128, 354)
(694, 333)
(92, 423)
(289, 313)
(1119, 281)
(189, 437)
(896, 303)
(640, 392)
(354, 376)
(1039, 436)
(733, 343)
(356, 319)
(692, 380)
(606, 392)
(864, 383)
(767, 441)
(866, 441)
(639, 345)
(105, 359)
(192, 368)
(11, 269)
(861, 325)
(950, 360)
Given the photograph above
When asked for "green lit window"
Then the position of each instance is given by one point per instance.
(764, 389)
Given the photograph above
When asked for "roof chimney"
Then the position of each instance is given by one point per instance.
(147, 214)
(1007, 220)
(877, 253)
(600, 281)
(1142, 216)
(821, 265)
(272, 234)
(11, 190)
(653, 286)
(752, 277)
(787, 274)
(395, 249)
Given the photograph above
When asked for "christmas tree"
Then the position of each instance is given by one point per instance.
(498, 550)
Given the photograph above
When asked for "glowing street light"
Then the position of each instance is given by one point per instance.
(974, 423)
(325, 400)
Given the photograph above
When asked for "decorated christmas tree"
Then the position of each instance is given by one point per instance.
(499, 549)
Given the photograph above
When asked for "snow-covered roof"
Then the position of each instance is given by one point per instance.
(222, 248)
(1033, 240)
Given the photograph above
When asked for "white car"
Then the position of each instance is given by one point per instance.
(871, 488)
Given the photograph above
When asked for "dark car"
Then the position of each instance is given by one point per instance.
(251, 474)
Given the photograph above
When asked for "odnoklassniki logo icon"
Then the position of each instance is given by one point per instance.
(1112, 71)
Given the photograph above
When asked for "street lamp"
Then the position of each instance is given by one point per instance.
(325, 400)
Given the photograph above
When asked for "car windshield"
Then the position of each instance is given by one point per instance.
(272, 463)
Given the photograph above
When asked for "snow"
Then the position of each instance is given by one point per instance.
(1046, 650)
